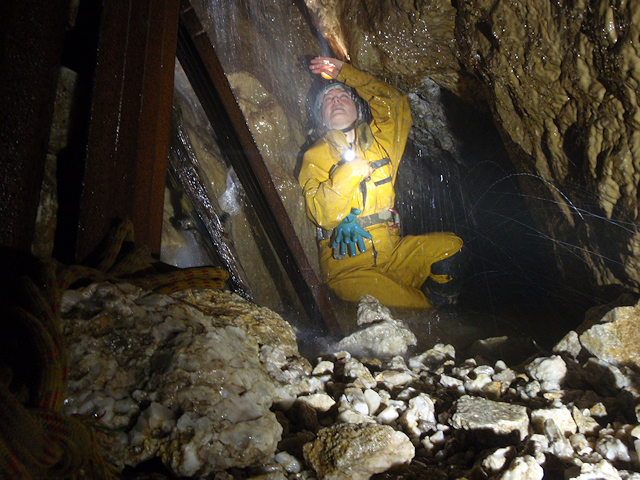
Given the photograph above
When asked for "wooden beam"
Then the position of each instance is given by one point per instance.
(201, 64)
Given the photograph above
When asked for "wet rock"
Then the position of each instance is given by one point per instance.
(374, 37)
(434, 357)
(358, 374)
(496, 461)
(548, 371)
(569, 345)
(318, 401)
(543, 69)
(603, 470)
(370, 310)
(523, 468)
(429, 416)
(585, 423)
(480, 414)
(384, 337)
(561, 416)
(616, 338)
(355, 452)
(191, 384)
(419, 417)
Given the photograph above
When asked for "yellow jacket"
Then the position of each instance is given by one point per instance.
(394, 268)
(331, 189)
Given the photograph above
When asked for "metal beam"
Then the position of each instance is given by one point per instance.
(31, 44)
(129, 123)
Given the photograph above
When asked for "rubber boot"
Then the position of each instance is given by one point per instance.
(455, 267)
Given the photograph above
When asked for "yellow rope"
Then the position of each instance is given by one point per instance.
(36, 439)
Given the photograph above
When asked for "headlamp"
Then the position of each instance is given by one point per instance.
(348, 155)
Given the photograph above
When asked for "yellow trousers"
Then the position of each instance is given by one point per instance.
(400, 267)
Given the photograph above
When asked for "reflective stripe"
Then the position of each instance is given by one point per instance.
(382, 182)
(380, 163)
(375, 218)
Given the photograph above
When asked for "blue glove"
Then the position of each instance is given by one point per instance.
(349, 232)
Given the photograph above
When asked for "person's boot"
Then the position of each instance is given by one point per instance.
(455, 267)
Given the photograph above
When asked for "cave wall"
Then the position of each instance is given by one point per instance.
(561, 82)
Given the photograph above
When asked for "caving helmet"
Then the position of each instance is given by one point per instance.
(362, 107)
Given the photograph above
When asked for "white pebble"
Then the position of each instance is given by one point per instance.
(290, 463)
(549, 371)
(498, 459)
(322, 368)
(388, 415)
(612, 449)
(373, 400)
(580, 444)
(477, 384)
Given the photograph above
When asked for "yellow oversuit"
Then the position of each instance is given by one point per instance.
(393, 268)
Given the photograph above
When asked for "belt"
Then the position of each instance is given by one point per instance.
(375, 218)
(389, 217)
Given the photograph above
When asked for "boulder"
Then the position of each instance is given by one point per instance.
(357, 451)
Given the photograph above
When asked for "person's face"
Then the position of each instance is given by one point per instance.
(339, 111)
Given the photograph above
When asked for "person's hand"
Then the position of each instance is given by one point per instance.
(349, 232)
(361, 166)
(326, 66)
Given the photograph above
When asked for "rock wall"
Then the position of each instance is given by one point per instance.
(561, 81)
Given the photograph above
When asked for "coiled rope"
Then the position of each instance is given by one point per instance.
(37, 440)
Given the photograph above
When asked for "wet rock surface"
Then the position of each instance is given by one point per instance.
(561, 82)
(214, 386)
(382, 336)
(357, 450)
(374, 37)
(173, 378)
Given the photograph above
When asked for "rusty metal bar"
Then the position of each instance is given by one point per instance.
(31, 44)
(200, 62)
(129, 122)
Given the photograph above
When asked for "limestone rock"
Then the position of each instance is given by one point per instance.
(523, 468)
(358, 374)
(549, 371)
(616, 339)
(370, 310)
(562, 82)
(561, 416)
(569, 344)
(494, 462)
(480, 414)
(318, 401)
(191, 383)
(434, 357)
(357, 451)
(419, 416)
(387, 337)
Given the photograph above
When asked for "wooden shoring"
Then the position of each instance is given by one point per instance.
(200, 62)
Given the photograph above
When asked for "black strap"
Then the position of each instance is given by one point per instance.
(363, 189)
(380, 163)
(382, 182)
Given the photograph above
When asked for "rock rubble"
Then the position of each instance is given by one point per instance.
(214, 387)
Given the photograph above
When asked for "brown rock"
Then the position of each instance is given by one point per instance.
(616, 339)
(357, 451)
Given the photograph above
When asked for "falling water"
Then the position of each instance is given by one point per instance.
(458, 178)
